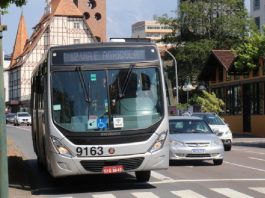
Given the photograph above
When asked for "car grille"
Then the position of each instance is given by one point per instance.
(198, 144)
(97, 165)
(198, 155)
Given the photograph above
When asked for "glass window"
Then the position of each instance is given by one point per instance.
(188, 126)
(96, 101)
(257, 22)
(256, 4)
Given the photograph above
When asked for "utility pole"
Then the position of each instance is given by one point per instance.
(3, 144)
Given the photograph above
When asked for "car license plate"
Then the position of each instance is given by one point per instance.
(198, 150)
(112, 169)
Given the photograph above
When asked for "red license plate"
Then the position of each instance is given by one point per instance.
(112, 169)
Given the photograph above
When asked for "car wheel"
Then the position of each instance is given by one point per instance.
(217, 162)
(143, 176)
(228, 148)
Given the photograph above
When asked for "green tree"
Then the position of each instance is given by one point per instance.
(4, 4)
(208, 102)
(249, 51)
(199, 27)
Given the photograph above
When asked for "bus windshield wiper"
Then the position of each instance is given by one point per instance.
(126, 82)
(83, 84)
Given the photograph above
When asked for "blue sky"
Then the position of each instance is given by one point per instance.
(121, 14)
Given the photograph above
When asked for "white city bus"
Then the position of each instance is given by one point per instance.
(100, 109)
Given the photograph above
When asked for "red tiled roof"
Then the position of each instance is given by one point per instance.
(65, 8)
(20, 41)
(225, 57)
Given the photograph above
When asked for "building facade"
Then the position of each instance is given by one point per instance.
(6, 65)
(152, 30)
(257, 11)
(243, 93)
(62, 24)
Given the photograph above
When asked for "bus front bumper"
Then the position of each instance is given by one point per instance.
(61, 166)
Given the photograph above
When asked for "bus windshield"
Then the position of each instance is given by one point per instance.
(107, 100)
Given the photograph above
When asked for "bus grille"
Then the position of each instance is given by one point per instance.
(97, 165)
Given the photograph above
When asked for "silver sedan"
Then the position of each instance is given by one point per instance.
(192, 139)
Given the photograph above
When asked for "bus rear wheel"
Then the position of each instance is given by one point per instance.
(143, 176)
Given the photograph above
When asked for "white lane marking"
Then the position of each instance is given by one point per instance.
(104, 196)
(144, 195)
(258, 189)
(207, 180)
(260, 153)
(243, 166)
(230, 193)
(159, 176)
(247, 151)
(254, 158)
(187, 193)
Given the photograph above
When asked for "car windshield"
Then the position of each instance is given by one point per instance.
(188, 126)
(211, 119)
(106, 100)
(23, 115)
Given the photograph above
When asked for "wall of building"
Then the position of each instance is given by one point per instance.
(235, 123)
(258, 12)
(6, 65)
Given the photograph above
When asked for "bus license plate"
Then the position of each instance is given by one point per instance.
(112, 169)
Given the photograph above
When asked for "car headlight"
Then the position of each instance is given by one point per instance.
(227, 132)
(60, 148)
(217, 142)
(176, 143)
(159, 142)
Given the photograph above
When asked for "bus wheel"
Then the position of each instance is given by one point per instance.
(143, 176)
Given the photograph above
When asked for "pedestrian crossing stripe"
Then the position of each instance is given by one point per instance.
(258, 189)
(226, 192)
(145, 195)
(230, 193)
(187, 193)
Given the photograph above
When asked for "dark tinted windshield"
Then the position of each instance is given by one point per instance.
(188, 126)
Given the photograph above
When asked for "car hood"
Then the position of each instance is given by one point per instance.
(24, 117)
(193, 137)
(219, 128)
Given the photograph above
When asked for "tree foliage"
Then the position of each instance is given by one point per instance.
(208, 102)
(4, 4)
(249, 52)
(199, 27)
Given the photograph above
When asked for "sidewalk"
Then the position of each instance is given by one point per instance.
(248, 140)
(17, 173)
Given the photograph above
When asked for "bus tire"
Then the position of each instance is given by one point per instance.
(143, 176)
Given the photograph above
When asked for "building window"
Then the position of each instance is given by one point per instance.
(221, 74)
(256, 4)
(76, 25)
(76, 41)
(257, 22)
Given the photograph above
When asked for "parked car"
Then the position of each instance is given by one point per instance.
(10, 117)
(192, 139)
(219, 127)
(22, 118)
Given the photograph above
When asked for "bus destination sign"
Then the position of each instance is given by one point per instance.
(103, 55)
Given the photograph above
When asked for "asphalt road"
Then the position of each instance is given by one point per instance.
(241, 175)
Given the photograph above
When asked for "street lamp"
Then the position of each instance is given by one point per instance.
(188, 87)
(176, 73)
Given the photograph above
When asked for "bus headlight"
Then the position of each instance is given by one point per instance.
(61, 149)
(159, 142)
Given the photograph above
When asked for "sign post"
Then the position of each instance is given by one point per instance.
(3, 145)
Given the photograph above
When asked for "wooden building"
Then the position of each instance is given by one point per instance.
(242, 92)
